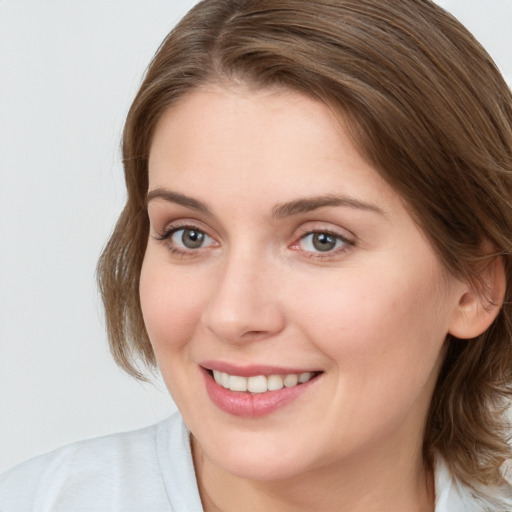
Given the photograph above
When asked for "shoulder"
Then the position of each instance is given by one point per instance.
(453, 496)
(126, 471)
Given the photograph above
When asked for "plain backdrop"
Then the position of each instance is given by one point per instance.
(68, 71)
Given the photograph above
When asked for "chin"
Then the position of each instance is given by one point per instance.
(257, 462)
(260, 470)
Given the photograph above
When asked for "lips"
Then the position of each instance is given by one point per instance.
(253, 392)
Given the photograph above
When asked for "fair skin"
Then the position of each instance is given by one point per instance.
(342, 287)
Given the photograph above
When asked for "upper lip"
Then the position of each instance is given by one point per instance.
(253, 369)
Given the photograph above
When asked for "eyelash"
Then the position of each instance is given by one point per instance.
(167, 234)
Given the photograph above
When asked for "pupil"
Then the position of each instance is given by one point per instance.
(324, 242)
(192, 239)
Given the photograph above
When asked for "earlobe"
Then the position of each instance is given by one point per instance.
(479, 304)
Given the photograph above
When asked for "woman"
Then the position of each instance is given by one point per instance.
(315, 251)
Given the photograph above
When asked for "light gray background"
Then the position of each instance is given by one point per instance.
(69, 70)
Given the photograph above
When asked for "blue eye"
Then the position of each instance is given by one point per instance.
(190, 238)
(319, 241)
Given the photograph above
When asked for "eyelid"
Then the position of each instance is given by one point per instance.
(175, 225)
(325, 227)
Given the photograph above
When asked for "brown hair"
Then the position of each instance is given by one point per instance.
(426, 106)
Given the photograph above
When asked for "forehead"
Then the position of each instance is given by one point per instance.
(269, 118)
(276, 144)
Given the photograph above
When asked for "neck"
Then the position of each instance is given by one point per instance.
(375, 482)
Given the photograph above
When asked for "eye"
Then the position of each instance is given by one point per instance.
(189, 238)
(323, 242)
(185, 240)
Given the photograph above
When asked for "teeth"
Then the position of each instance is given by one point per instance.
(237, 383)
(291, 380)
(275, 382)
(304, 377)
(260, 383)
(256, 384)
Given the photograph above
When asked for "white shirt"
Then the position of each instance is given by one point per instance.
(147, 470)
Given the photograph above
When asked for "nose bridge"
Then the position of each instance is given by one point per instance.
(243, 305)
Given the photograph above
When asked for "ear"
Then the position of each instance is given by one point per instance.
(479, 306)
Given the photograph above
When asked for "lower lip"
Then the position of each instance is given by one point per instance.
(252, 405)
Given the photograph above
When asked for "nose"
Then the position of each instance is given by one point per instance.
(244, 305)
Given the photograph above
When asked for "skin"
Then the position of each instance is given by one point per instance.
(372, 314)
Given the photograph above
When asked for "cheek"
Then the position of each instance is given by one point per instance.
(383, 338)
(378, 323)
(171, 306)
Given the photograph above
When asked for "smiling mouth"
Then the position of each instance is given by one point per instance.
(261, 383)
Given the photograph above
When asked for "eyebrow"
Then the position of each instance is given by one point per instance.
(296, 207)
(309, 204)
(178, 198)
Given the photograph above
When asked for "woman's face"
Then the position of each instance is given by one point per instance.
(279, 259)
